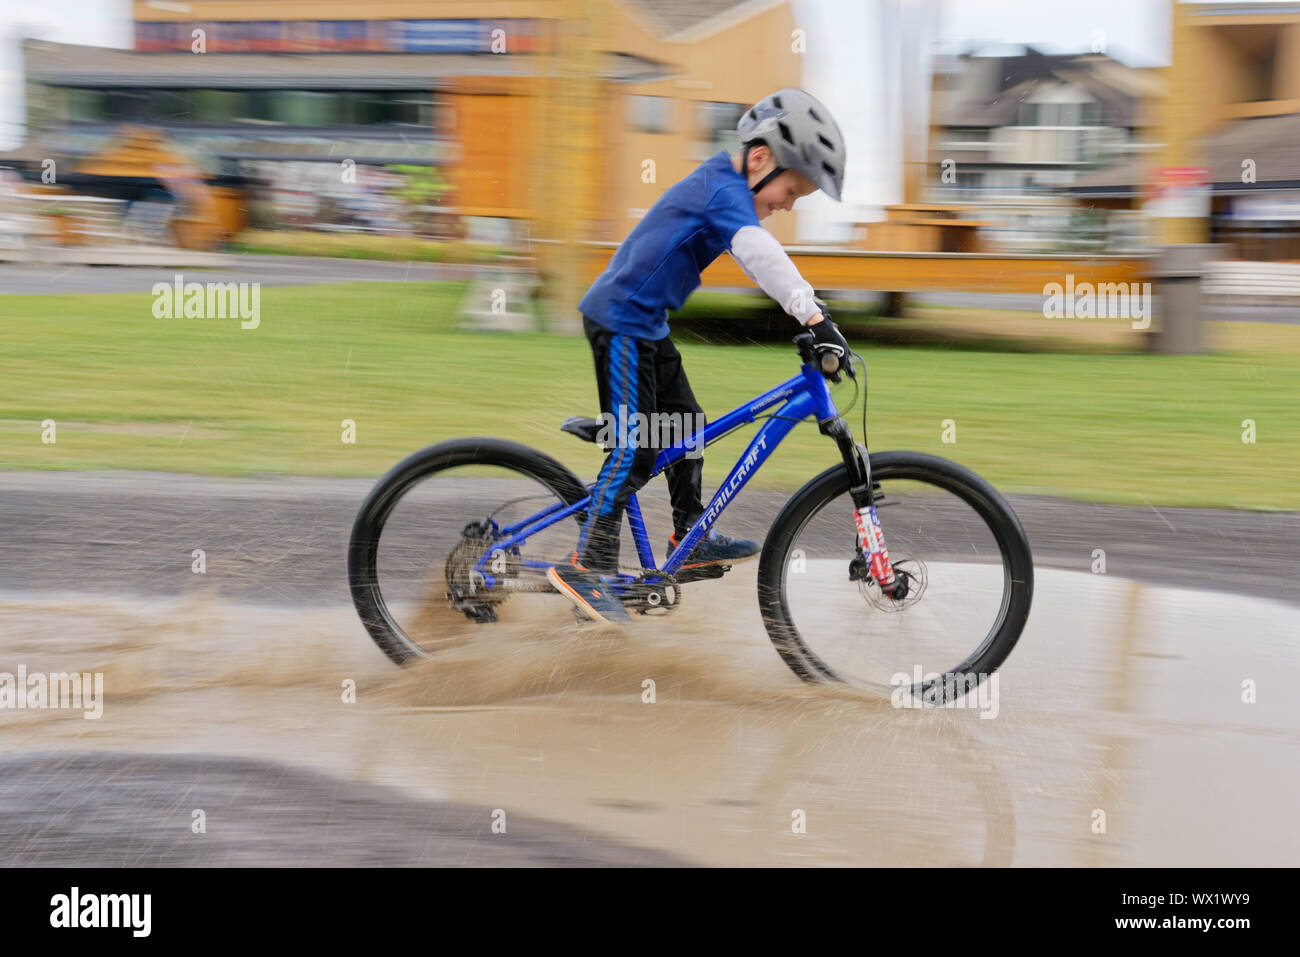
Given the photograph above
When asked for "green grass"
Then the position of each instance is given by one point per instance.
(133, 392)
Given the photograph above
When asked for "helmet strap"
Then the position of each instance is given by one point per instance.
(744, 163)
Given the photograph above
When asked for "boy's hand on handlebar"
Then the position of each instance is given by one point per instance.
(830, 348)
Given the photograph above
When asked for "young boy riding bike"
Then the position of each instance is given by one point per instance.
(790, 148)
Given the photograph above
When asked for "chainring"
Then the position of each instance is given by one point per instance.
(662, 596)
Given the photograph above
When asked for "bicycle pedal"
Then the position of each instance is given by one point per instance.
(479, 614)
(703, 573)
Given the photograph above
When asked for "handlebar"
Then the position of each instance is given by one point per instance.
(830, 364)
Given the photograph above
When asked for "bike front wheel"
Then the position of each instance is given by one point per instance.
(950, 534)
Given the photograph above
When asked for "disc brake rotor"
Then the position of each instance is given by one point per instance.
(913, 579)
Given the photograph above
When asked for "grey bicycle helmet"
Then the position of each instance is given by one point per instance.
(802, 135)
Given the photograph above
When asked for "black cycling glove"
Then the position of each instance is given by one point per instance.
(831, 348)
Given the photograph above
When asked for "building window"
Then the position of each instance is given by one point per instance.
(85, 105)
(649, 114)
(125, 105)
(716, 129)
(215, 106)
(300, 107)
(390, 108)
(286, 107)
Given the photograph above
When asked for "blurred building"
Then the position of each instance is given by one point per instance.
(1243, 127)
(1012, 125)
(1012, 130)
(532, 114)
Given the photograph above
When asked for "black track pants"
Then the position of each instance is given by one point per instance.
(639, 376)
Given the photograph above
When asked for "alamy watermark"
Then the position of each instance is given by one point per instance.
(655, 430)
(36, 691)
(1102, 300)
(130, 911)
(951, 690)
(212, 300)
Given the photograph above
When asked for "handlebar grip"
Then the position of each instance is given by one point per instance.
(830, 363)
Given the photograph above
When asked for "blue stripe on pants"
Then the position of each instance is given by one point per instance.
(617, 467)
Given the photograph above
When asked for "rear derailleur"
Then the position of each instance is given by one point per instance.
(467, 590)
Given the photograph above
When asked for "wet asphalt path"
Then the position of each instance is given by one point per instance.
(104, 809)
(284, 540)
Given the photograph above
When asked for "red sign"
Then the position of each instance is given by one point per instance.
(1179, 192)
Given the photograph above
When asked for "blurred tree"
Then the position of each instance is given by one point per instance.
(422, 192)
(1087, 231)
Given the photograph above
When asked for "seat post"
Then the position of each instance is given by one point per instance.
(645, 554)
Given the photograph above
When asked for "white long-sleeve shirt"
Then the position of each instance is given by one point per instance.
(761, 258)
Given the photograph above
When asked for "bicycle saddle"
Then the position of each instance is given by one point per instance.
(584, 428)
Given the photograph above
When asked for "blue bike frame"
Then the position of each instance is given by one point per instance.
(800, 397)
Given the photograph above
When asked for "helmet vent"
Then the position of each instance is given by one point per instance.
(826, 143)
(828, 167)
(777, 101)
(785, 132)
(813, 114)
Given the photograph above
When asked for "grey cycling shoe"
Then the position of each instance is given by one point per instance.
(714, 555)
(590, 594)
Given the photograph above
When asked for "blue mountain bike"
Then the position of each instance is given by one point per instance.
(937, 608)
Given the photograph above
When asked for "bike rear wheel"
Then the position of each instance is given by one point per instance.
(955, 538)
(421, 531)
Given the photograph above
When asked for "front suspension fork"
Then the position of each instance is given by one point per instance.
(872, 555)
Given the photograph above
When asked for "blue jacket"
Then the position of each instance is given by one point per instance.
(660, 262)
